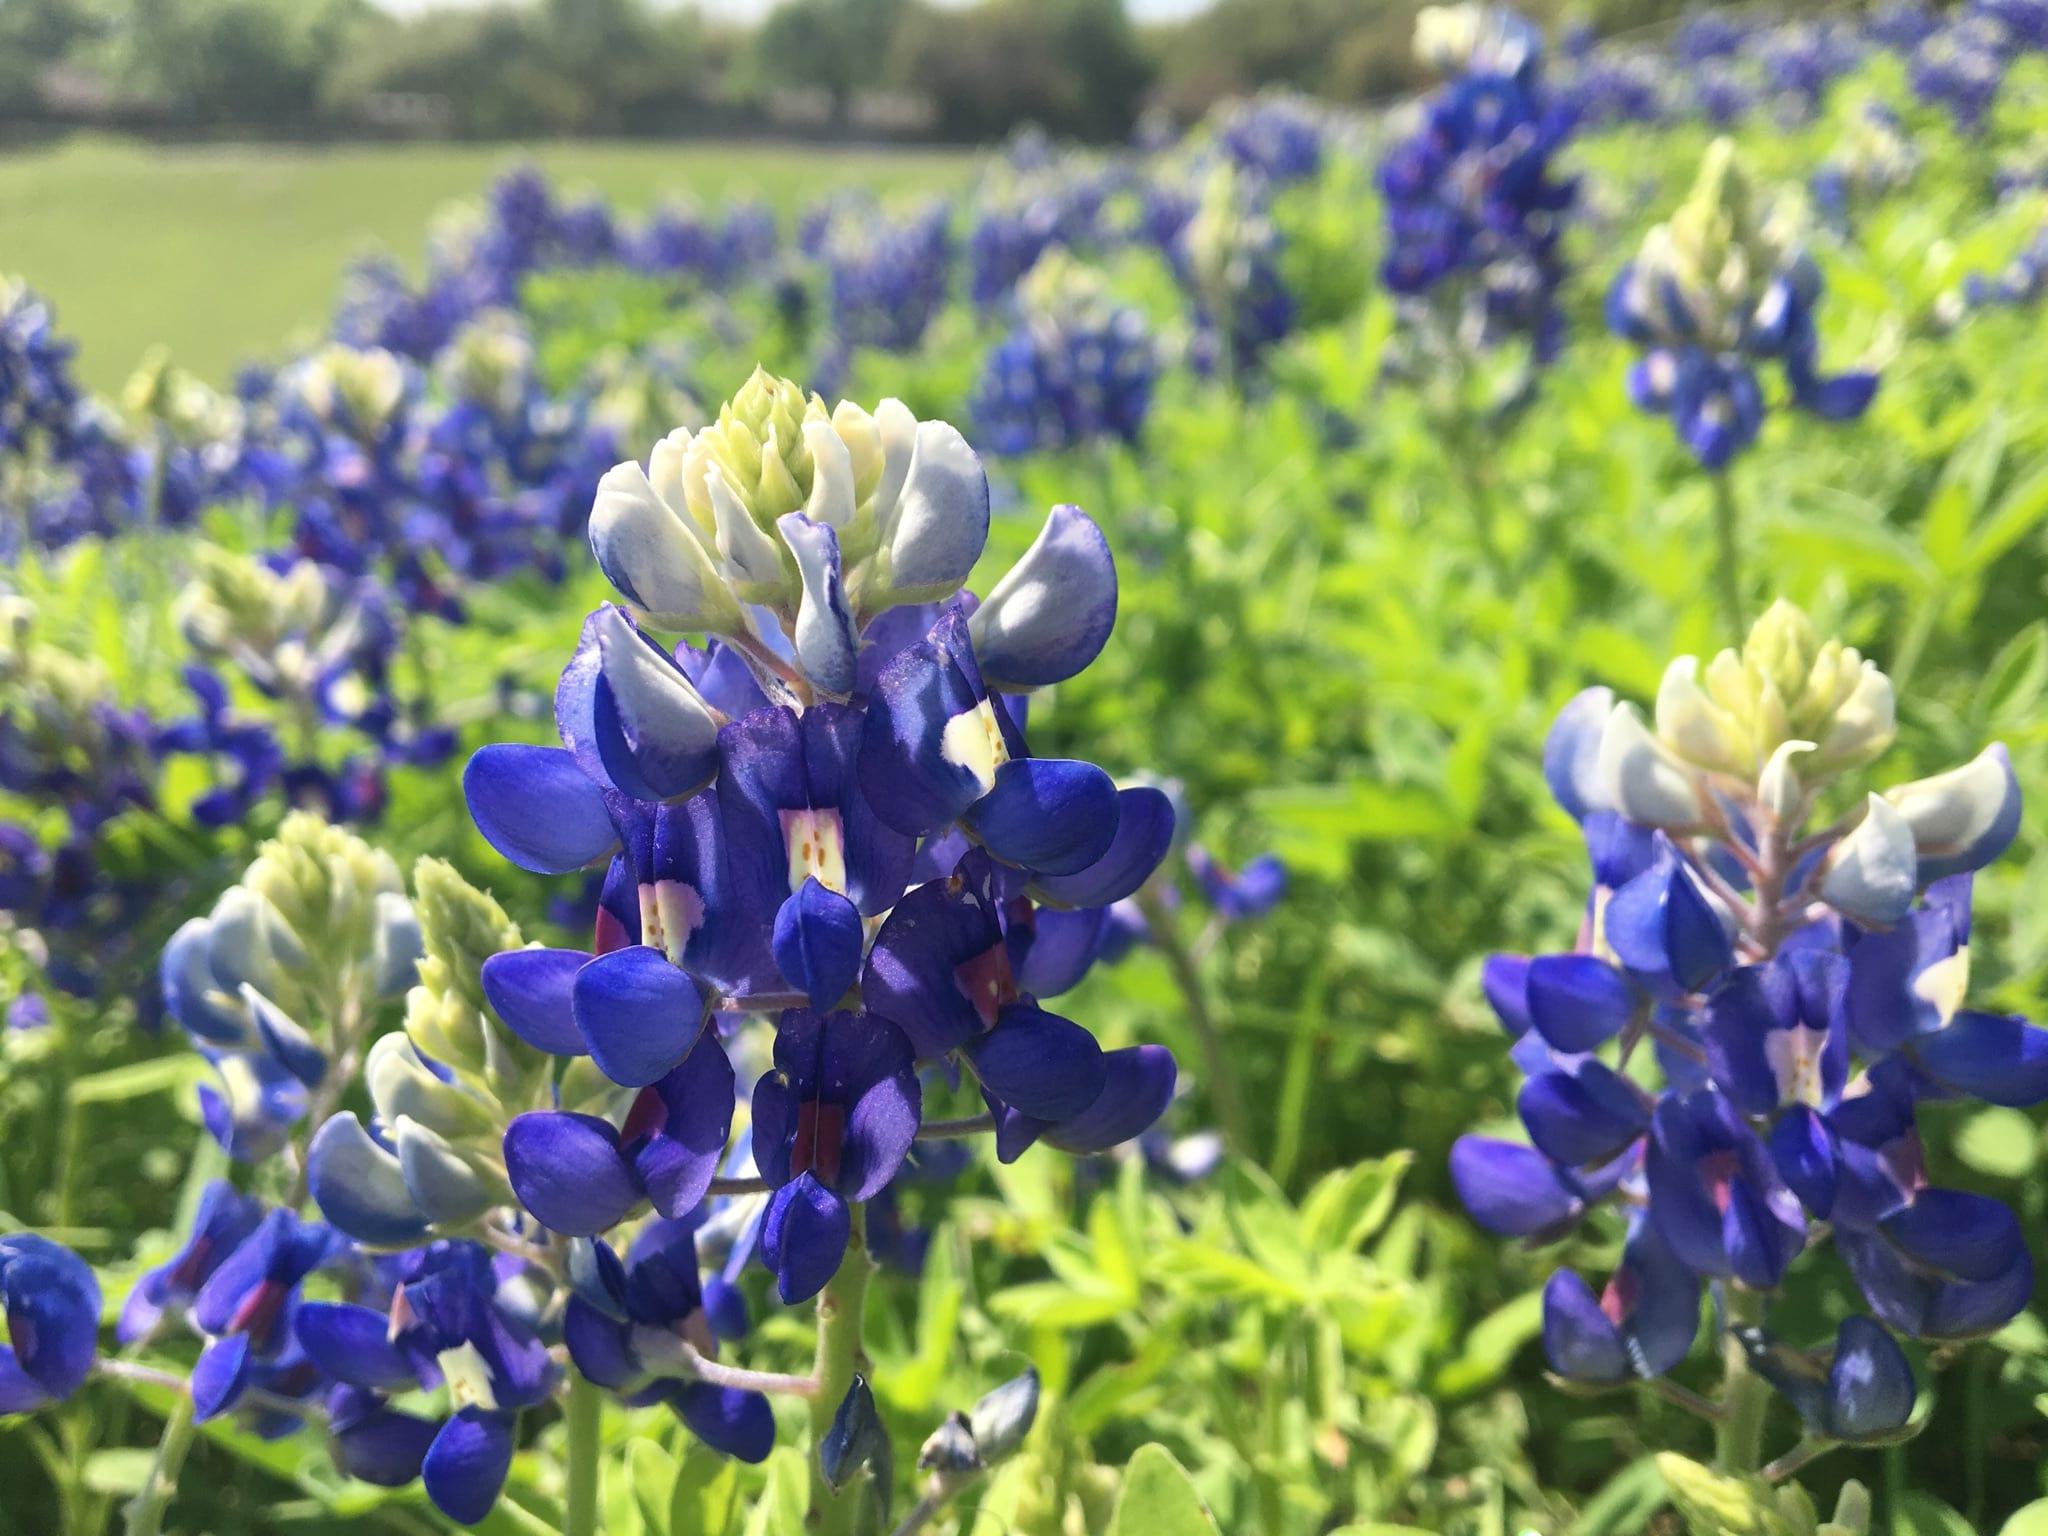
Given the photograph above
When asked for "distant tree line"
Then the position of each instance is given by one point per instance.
(1078, 68)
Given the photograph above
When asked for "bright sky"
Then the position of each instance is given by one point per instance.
(753, 10)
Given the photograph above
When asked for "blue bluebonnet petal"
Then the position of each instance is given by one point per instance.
(1049, 815)
(1581, 1342)
(1137, 1085)
(537, 808)
(600, 1346)
(220, 1376)
(740, 1424)
(1582, 1116)
(819, 942)
(568, 1172)
(1926, 1306)
(679, 1158)
(1962, 819)
(360, 1187)
(465, 1468)
(912, 763)
(1578, 1002)
(1662, 926)
(375, 1443)
(1511, 1190)
(1053, 611)
(296, 1050)
(1064, 946)
(52, 1305)
(1998, 1058)
(1870, 1384)
(1039, 1063)
(530, 989)
(352, 1344)
(1505, 981)
(1144, 833)
(1803, 1148)
(638, 1014)
(1957, 1234)
(804, 1237)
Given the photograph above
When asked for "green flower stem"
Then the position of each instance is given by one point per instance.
(586, 1435)
(1745, 1396)
(841, 1308)
(1728, 560)
(145, 1512)
(1187, 976)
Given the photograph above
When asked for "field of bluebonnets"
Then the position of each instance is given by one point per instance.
(466, 1041)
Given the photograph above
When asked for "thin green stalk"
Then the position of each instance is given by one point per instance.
(586, 1425)
(1745, 1396)
(1728, 556)
(145, 1512)
(1187, 976)
(842, 1306)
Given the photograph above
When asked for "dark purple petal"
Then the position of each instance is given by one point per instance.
(531, 990)
(466, 1466)
(638, 1014)
(740, 1424)
(601, 1347)
(1137, 1085)
(1582, 1117)
(569, 1173)
(1511, 1190)
(677, 1163)
(352, 1344)
(1064, 945)
(1039, 1063)
(380, 1445)
(1803, 1148)
(1144, 833)
(1958, 1235)
(819, 941)
(1049, 815)
(804, 1237)
(2000, 1059)
(220, 1376)
(1580, 1340)
(1505, 981)
(1870, 1384)
(537, 808)
(1578, 1002)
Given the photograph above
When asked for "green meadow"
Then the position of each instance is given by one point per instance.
(222, 252)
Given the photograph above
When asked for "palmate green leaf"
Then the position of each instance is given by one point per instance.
(705, 1500)
(1159, 1499)
(2019, 513)
(1348, 1206)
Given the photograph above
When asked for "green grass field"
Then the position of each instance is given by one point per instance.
(224, 252)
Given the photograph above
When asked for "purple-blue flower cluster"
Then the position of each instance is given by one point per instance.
(1076, 367)
(1474, 206)
(1718, 290)
(1732, 1056)
(828, 816)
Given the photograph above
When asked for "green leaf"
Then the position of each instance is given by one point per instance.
(706, 1496)
(653, 1474)
(1491, 1344)
(780, 1509)
(138, 1079)
(1624, 1505)
(1159, 1499)
(1922, 1514)
(1348, 1206)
